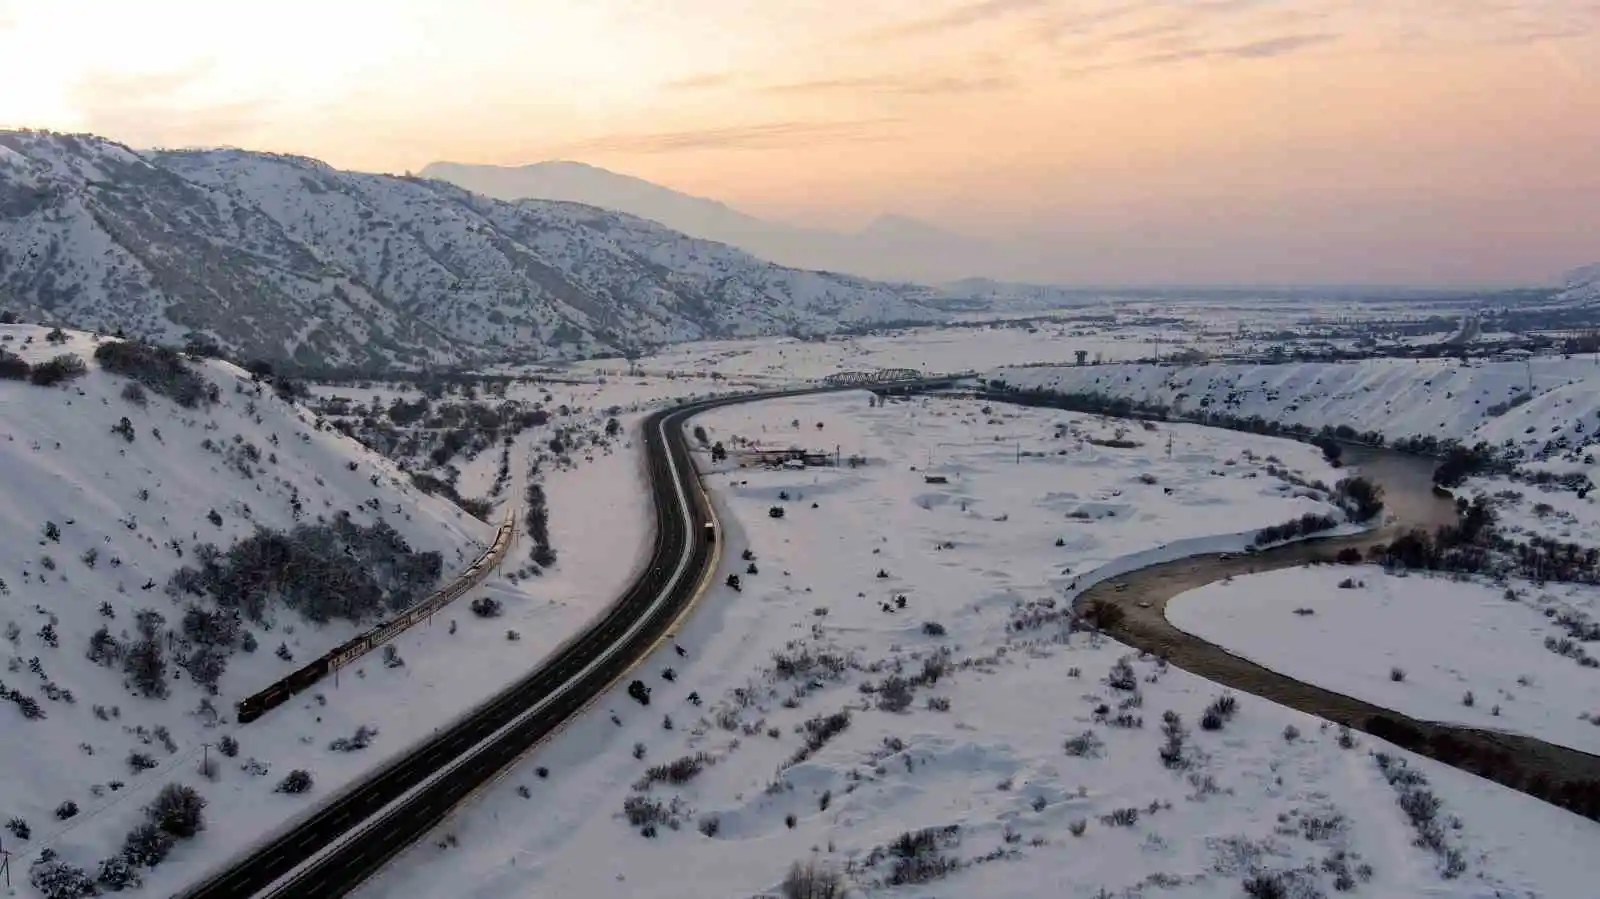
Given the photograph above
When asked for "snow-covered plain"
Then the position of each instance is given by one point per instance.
(61, 464)
(785, 359)
(997, 689)
(1449, 638)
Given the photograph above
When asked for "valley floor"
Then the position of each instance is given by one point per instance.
(894, 694)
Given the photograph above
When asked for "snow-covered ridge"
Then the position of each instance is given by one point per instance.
(285, 257)
(1445, 399)
(1582, 285)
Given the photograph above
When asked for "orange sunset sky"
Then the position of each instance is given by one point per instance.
(1403, 141)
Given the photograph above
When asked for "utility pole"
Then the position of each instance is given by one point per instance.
(5, 864)
(1169, 444)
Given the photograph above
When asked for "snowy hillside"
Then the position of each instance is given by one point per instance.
(1582, 285)
(286, 257)
(120, 670)
(1444, 399)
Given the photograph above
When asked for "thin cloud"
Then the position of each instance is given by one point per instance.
(1278, 46)
(771, 136)
(933, 85)
(962, 17)
(1267, 48)
(149, 108)
(703, 82)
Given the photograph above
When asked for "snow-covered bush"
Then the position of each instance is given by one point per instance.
(298, 781)
(147, 845)
(59, 369)
(178, 810)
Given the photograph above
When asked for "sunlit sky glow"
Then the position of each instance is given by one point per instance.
(1202, 140)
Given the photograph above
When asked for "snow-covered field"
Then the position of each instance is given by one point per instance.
(128, 513)
(1398, 398)
(1468, 652)
(786, 359)
(893, 693)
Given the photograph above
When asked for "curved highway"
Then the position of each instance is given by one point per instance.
(337, 846)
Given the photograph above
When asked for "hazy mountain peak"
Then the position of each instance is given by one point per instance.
(894, 247)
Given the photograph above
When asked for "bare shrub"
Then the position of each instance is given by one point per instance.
(818, 731)
(916, 856)
(1172, 751)
(812, 880)
(359, 740)
(1121, 817)
(894, 695)
(1086, 745)
(1219, 712)
(1122, 676)
(677, 772)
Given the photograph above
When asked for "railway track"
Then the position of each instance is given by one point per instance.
(335, 848)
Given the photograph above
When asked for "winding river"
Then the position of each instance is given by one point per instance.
(1541, 769)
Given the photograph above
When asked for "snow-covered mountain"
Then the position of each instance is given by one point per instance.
(1582, 285)
(891, 247)
(286, 257)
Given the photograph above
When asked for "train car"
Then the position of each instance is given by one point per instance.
(308, 675)
(254, 706)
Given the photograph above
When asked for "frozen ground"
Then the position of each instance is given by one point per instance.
(942, 742)
(1451, 640)
(124, 511)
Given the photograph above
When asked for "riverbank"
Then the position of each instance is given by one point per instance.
(1557, 774)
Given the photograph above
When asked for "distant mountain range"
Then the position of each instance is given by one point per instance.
(890, 248)
(287, 258)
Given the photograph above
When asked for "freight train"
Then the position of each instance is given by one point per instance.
(254, 706)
